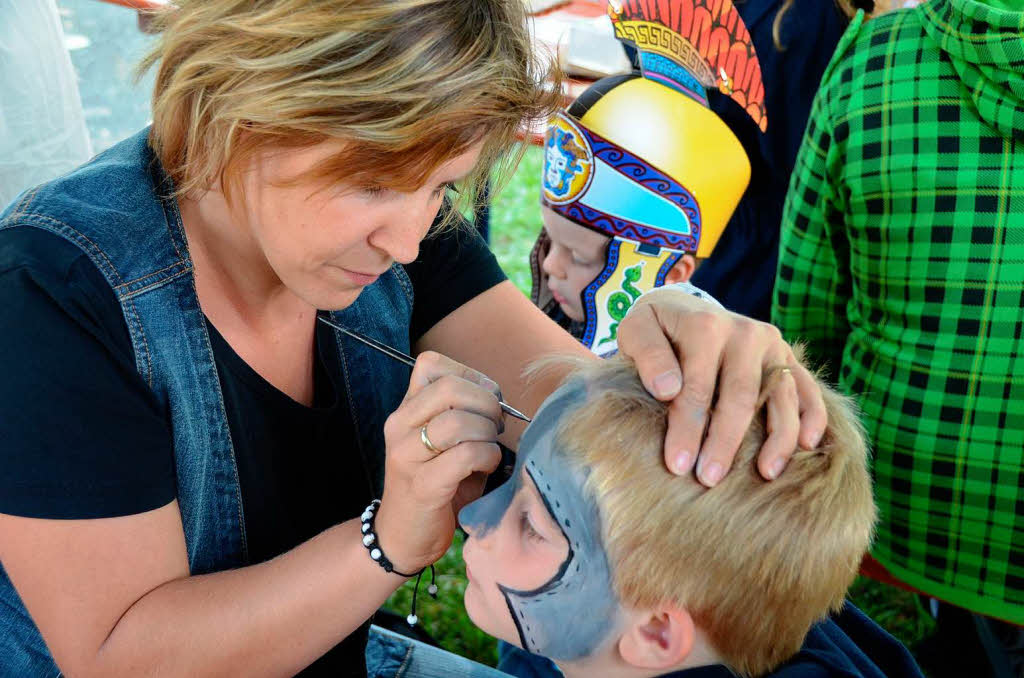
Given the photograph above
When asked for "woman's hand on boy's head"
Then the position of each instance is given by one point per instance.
(686, 350)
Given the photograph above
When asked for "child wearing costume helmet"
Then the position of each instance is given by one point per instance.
(640, 176)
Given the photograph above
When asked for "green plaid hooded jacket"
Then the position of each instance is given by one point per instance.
(901, 264)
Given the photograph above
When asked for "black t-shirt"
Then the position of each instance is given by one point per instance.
(83, 436)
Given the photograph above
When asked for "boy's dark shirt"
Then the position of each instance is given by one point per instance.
(848, 645)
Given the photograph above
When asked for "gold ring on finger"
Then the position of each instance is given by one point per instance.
(770, 372)
(426, 441)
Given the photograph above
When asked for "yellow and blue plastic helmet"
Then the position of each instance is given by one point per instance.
(642, 159)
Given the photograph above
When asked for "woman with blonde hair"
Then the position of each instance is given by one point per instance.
(187, 452)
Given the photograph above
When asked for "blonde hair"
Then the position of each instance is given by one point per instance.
(755, 563)
(409, 84)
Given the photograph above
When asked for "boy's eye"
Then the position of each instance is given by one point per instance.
(527, 528)
(580, 261)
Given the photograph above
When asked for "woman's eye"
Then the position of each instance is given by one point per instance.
(372, 191)
(440, 190)
(579, 261)
(527, 528)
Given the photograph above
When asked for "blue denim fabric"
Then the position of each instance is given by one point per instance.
(522, 664)
(389, 655)
(113, 210)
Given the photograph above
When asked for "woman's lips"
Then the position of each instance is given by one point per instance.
(558, 298)
(362, 279)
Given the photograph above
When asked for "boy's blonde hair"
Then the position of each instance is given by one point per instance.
(754, 562)
(410, 84)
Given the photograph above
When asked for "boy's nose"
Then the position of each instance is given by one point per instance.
(551, 265)
(480, 517)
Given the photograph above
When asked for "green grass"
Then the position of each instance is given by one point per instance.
(515, 221)
(445, 618)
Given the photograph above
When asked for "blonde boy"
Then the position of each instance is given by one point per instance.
(594, 555)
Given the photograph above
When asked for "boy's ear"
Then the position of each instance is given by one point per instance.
(661, 639)
(682, 271)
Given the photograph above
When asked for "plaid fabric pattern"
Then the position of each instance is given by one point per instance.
(902, 265)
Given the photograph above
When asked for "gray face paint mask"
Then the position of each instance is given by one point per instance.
(569, 616)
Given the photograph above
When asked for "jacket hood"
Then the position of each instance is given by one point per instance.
(984, 40)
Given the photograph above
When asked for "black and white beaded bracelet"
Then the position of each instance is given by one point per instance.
(372, 544)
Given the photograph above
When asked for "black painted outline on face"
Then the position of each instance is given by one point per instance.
(549, 584)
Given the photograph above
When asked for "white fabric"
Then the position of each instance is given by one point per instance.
(42, 127)
(686, 287)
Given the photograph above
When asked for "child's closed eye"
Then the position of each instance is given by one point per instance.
(527, 528)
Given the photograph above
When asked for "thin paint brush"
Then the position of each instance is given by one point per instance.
(403, 358)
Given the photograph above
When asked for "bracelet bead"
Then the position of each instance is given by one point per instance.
(370, 538)
(371, 543)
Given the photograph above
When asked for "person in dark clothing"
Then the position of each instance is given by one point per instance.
(794, 46)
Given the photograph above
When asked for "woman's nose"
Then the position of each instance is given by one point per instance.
(401, 237)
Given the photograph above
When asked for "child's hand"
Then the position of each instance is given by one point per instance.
(687, 351)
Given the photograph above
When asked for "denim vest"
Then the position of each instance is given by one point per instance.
(111, 209)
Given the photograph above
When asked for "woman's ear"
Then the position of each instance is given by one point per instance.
(682, 271)
(661, 639)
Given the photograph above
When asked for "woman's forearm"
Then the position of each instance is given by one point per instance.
(270, 619)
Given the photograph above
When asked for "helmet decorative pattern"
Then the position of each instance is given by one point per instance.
(568, 161)
(587, 177)
(630, 269)
(707, 38)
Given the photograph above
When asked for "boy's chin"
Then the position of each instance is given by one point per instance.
(482, 617)
(572, 314)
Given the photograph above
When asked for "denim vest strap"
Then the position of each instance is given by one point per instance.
(111, 210)
(379, 381)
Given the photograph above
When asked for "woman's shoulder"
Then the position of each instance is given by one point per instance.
(43, 274)
(111, 180)
(110, 208)
(42, 252)
(69, 370)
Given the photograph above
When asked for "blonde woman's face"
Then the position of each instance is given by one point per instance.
(327, 241)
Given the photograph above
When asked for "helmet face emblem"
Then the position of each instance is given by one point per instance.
(565, 160)
(568, 162)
